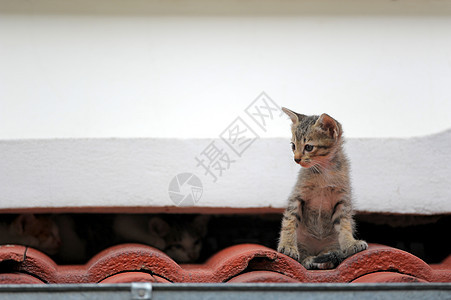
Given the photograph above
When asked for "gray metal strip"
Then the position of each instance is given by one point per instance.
(260, 291)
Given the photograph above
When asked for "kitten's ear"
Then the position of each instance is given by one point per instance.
(200, 223)
(159, 226)
(329, 125)
(295, 117)
(22, 222)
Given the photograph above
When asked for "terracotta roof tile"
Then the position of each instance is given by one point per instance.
(10, 278)
(387, 277)
(128, 277)
(240, 263)
(445, 264)
(262, 276)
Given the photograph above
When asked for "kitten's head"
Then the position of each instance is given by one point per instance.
(182, 236)
(39, 232)
(315, 139)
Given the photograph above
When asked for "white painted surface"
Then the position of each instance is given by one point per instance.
(166, 69)
(147, 68)
(389, 175)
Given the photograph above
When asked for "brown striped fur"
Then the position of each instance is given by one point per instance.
(318, 225)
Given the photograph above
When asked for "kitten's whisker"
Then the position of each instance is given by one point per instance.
(322, 164)
(313, 168)
(318, 166)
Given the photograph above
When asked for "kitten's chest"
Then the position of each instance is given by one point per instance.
(321, 193)
(316, 213)
(322, 199)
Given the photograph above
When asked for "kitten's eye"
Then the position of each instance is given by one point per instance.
(308, 147)
(293, 147)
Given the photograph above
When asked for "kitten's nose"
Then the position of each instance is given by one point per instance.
(297, 160)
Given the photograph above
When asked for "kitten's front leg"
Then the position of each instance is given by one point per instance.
(348, 244)
(343, 225)
(288, 240)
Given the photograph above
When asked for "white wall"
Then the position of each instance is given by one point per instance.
(171, 69)
(144, 68)
(410, 176)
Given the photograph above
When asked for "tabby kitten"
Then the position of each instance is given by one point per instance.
(179, 236)
(37, 231)
(318, 226)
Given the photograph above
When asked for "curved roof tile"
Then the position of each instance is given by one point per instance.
(241, 263)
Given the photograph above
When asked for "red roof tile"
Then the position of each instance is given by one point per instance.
(240, 263)
(10, 278)
(128, 277)
(262, 276)
(387, 277)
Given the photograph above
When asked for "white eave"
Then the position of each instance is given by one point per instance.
(406, 176)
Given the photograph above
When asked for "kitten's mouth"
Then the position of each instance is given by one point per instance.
(305, 165)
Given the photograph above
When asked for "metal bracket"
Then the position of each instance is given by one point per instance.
(141, 291)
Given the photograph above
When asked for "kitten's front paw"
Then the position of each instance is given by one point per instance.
(291, 251)
(308, 263)
(311, 263)
(328, 260)
(358, 246)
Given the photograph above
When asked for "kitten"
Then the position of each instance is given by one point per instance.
(318, 225)
(179, 236)
(39, 232)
